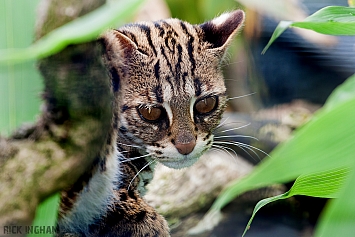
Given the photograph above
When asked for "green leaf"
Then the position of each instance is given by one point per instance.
(83, 29)
(281, 27)
(339, 217)
(326, 142)
(325, 184)
(333, 20)
(20, 84)
(46, 215)
(343, 93)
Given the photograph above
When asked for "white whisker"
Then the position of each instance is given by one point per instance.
(221, 124)
(240, 145)
(129, 145)
(225, 149)
(230, 136)
(149, 163)
(136, 158)
(247, 152)
(241, 96)
(231, 129)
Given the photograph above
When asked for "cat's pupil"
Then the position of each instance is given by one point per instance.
(206, 105)
(150, 114)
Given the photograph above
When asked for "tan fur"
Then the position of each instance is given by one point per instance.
(170, 65)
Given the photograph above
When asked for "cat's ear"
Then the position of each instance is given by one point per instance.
(118, 42)
(219, 31)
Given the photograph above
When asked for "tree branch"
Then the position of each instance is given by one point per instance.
(40, 160)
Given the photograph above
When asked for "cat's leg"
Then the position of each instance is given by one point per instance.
(131, 216)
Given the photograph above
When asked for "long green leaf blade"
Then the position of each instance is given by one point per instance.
(325, 184)
(83, 29)
(339, 217)
(281, 27)
(261, 204)
(327, 142)
(46, 217)
(343, 93)
(333, 20)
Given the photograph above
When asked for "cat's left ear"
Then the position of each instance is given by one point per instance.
(219, 31)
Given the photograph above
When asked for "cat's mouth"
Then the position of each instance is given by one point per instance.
(181, 161)
(178, 163)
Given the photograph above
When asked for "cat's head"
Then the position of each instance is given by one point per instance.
(171, 88)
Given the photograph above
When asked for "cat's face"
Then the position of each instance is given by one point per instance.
(172, 92)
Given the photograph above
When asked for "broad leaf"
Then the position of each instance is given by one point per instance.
(83, 29)
(326, 142)
(46, 216)
(343, 93)
(326, 184)
(281, 27)
(333, 20)
(339, 217)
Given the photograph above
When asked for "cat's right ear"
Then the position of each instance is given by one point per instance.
(219, 31)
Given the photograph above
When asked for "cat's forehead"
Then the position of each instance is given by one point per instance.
(156, 33)
(175, 65)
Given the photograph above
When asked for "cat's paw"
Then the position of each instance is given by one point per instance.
(131, 216)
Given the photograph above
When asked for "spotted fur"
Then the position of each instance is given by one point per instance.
(169, 65)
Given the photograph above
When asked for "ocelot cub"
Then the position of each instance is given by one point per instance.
(169, 97)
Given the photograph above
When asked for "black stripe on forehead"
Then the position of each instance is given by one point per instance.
(156, 70)
(147, 32)
(190, 47)
(197, 85)
(178, 73)
(159, 93)
(161, 30)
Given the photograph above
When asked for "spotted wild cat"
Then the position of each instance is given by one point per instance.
(169, 98)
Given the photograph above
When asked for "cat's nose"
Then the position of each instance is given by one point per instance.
(185, 148)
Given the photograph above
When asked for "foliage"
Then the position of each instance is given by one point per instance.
(20, 84)
(332, 20)
(319, 151)
(46, 214)
(83, 29)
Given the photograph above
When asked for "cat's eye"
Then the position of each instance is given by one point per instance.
(150, 114)
(206, 105)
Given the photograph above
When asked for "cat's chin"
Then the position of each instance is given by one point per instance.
(180, 163)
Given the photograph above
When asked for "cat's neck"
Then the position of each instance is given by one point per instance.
(137, 166)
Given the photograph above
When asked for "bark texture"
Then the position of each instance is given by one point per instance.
(39, 160)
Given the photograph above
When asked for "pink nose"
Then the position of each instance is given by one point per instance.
(185, 148)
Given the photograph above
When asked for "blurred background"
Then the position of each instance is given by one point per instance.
(286, 85)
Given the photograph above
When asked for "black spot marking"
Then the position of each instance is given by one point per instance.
(208, 143)
(103, 163)
(123, 130)
(169, 134)
(158, 152)
(197, 85)
(124, 108)
(207, 136)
